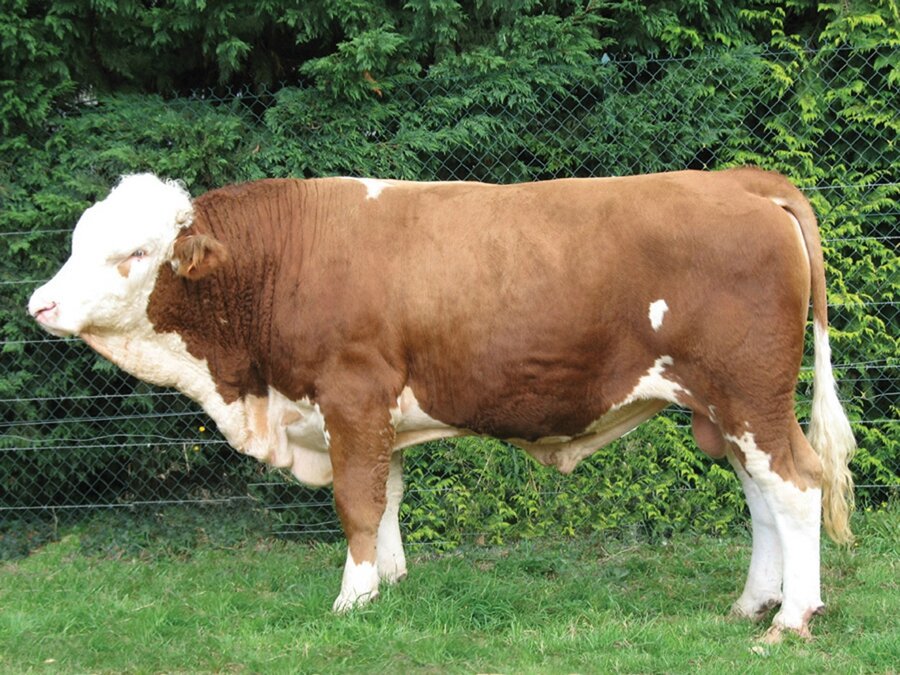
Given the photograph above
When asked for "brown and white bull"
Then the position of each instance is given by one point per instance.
(326, 324)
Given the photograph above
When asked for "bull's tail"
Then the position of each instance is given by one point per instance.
(829, 429)
(830, 435)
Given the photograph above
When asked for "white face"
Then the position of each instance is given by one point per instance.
(117, 248)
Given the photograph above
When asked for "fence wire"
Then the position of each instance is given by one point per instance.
(119, 443)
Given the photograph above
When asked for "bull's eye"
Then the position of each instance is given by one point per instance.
(140, 253)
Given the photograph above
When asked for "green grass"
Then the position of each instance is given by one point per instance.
(587, 606)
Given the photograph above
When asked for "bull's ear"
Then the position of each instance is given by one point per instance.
(198, 255)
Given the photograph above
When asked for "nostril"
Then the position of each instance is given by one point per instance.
(46, 308)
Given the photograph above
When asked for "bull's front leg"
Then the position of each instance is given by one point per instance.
(361, 450)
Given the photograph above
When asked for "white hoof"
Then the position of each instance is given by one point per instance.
(796, 622)
(346, 602)
(359, 585)
(754, 608)
(392, 569)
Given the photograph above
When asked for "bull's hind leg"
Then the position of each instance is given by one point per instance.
(762, 591)
(787, 474)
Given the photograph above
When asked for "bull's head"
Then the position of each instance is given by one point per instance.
(118, 247)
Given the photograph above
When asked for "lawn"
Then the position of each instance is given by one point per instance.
(596, 605)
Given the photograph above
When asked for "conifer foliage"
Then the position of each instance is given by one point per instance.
(494, 90)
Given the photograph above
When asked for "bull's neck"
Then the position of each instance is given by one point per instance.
(158, 358)
(163, 359)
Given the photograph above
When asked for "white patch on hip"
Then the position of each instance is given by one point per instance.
(358, 586)
(658, 309)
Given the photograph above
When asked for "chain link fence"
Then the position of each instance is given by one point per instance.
(78, 435)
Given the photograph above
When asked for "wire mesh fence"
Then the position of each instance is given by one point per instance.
(80, 435)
